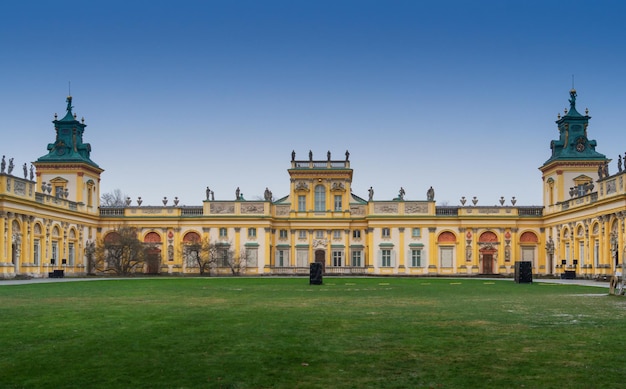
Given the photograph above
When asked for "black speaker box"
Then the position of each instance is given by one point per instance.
(523, 272)
(315, 274)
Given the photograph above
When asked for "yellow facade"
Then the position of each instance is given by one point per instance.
(50, 220)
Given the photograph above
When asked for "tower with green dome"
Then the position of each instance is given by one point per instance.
(67, 171)
(574, 163)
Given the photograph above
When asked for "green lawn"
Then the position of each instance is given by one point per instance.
(284, 333)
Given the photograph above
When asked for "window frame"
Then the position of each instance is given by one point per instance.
(337, 203)
(356, 258)
(416, 257)
(385, 258)
(320, 198)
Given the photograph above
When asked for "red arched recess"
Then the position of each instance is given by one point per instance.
(152, 237)
(112, 237)
(191, 237)
(446, 237)
(488, 237)
(528, 237)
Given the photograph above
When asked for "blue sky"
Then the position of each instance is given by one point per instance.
(177, 96)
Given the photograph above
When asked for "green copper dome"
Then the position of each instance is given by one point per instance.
(573, 143)
(68, 146)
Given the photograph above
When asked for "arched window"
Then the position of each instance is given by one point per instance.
(320, 198)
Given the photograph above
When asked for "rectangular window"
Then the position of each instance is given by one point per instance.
(447, 256)
(251, 232)
(36, 252)
(356, 258)
(302, 234)
(281, 258)
(596, 253)
(385, 258)
(70, 254)
(581, 253)
(223, 232)
(528, 255)
(282, 234)
(252, 257)
(224, 257)
(55, 249)
(567, 254)
(301, 203)
(416, 258)
(356, 234)
(336, 234)
(337, 258)
(319, 234)
(337, 203)
(416, 232)
(302, 258)
(386, 232)
(192, 256)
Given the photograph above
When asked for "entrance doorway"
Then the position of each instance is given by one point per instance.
(320, 257)
(487, 264)
(153, 261)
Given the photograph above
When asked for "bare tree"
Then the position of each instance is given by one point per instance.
(237, 263)
(113, 199)
(120, 252)
(200, 253)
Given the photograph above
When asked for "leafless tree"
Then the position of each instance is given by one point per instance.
(120, 252)
(201, 253)
(208, 256)
(113, 199)
(237, 263)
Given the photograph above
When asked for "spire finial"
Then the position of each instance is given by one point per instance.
(572, 100)
(69, 104)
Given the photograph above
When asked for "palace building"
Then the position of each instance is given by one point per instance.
(52, 215)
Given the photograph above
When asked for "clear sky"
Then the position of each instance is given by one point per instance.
(177, 96)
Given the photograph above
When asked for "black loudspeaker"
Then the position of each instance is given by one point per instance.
(575, 262)
(563, 261)
(523, 272)
(315, 274)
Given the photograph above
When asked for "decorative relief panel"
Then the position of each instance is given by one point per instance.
(357, 210)
(302, 186)
(150, 210)
(610, 186)
(20, 188)
(338, 187)
(222, 208)
(320, 243)
(528, 237)
(255, 208)
(413, 208)
(488, 210)
(282, 210)
(385, 208)
(488, 236)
